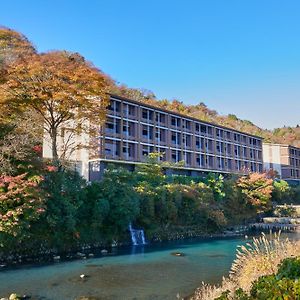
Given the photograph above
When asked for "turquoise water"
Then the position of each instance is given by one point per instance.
(148, 272)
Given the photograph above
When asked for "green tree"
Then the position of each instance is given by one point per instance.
(117, 190)
(65, 194)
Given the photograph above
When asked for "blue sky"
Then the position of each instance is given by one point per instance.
(240, 57)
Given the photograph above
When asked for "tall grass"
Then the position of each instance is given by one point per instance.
(260, 257)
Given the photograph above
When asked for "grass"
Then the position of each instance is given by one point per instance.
(260, 257)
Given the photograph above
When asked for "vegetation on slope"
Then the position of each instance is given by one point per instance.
(284, 135)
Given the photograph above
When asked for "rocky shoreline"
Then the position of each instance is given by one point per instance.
(49, 256)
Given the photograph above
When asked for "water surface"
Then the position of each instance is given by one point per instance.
(148, 272)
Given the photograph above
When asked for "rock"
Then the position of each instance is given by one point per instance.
(177, 254)
(3, 298)
(79, 254)
(14, 297)
(104, 251)
(82, 276)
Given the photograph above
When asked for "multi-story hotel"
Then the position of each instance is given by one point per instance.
(284, 159)
(134, 129)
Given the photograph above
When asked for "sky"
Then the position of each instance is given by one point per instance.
(237, 56)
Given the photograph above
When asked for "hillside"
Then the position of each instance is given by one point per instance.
(284, 135)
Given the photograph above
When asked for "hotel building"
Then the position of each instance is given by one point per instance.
(284, 159)
(135, 129)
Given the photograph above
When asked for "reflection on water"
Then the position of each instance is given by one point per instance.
(148, 272)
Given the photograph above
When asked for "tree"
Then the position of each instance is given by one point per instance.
(257, 189)
(64, 89)
(20, 203)
(20, 147)
(64, 195)
(117, 190)
(13, 46)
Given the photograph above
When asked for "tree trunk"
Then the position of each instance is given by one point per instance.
(53, 136)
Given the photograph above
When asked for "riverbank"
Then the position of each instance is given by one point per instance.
(48, 256)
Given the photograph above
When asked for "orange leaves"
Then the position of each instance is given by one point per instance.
(63, 88)
(257, 188)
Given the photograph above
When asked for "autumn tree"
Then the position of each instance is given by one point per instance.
(18, 133)
(20, 203)
(257, 189)
(13, 46)
(64, 89)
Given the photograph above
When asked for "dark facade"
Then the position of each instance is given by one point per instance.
(134, 129)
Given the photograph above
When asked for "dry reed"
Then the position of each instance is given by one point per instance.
(255, 259)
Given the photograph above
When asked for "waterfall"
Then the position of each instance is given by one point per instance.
(137, 236)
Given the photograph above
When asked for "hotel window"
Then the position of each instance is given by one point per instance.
(147, 132)
(187, 140)
(132, 110)
(208, 145)
(175, 156)
(175, 138)
(160, 135)
(209, 161)
(244, 151)
(112, 125)
(229, 164)
(220, 163)
(236, 137)
(219, 133)
(237, 150)
(187, 158)
(186, 124)
(175, 121)
(147, 114)
(238, 165)
(198, 143)
(114, 106)
(203, 129)
(126, 129)
(228, 149)
(219, 147)
(112, 148)
(228, 135)
(160, 118)
(197, 127)
(200, 160)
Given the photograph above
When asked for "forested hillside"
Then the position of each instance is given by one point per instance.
(284, 135)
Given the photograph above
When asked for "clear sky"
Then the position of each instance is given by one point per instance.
(237, 56)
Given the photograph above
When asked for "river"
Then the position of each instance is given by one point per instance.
(149, 272)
